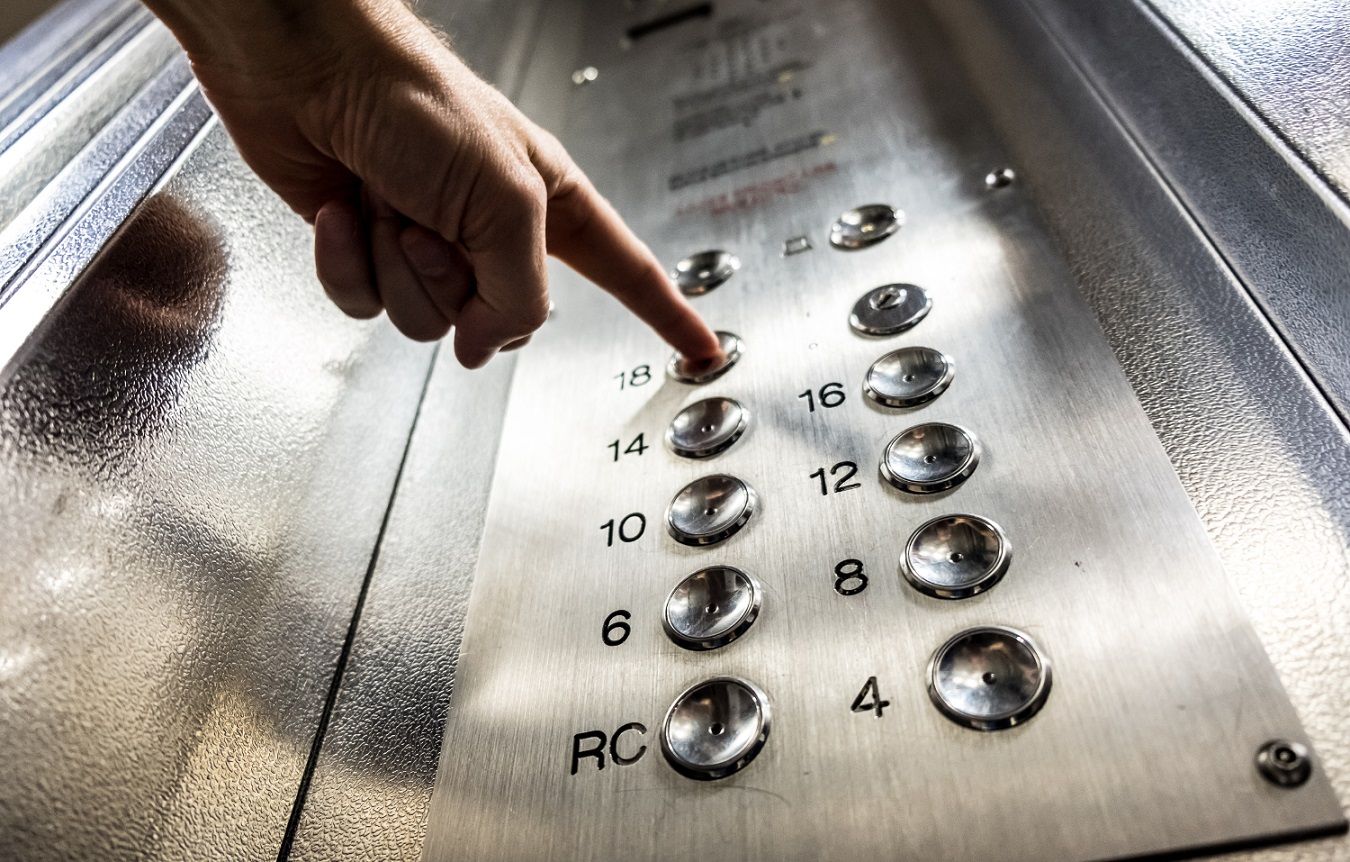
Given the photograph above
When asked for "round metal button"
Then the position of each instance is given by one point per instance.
(707, 427)
(699, 273)
(864, 226)
(989, 678)
(694, 371)
(889, 309)
(929, 458)
(909, 377)
(715, 728)
(711, 608)
(710, 509)
(956, 556)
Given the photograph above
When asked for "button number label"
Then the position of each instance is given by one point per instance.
(848, 469)
(637, 446)
(616, 629)
(629, 529)
(869, 699)
(849, 579)
(829, 395)
(641, 375)
(596, 747)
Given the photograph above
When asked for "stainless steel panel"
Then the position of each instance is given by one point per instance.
(196, 454)
(1261, 454)
(1147, 741)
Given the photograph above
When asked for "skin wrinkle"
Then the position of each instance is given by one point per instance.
(338, 103)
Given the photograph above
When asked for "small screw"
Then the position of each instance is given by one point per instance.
(999, 178)
(583, 76)
(1284, 763)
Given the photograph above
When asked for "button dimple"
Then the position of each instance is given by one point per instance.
(706, 428)
(909, 377)
(865, 225)
(711, 608)
(956, 556)
(989, 678)
(889, 309)
(699, 273)
(710, 509)
(715, 728)
(929, 458)
(690, 371)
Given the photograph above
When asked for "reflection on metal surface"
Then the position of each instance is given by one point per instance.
(710, 510)
(715, 728)
(909, 377)
(184, 535)
(699, 273)
(989, 678)
(929, 458)
(1040, 386)
(686, 370)
(999, 178)
(707, 428)
(956, 556)
(711, 608)
(864, 226)
(890, 309)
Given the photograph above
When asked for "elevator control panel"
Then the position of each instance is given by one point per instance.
(905, 572)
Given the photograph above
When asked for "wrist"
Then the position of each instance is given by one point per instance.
(241, 46)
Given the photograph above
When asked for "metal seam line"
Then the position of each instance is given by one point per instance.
(335, 684)
(1101, 95)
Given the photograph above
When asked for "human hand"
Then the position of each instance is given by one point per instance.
(432, 197)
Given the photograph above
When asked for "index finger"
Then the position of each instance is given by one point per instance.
(586, 233)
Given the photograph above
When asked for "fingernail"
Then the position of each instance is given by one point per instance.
(426, 254)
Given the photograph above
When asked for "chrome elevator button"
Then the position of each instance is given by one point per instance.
(711, 608)
(889, 309)
(864, 226)
(715, 728)
(702, 371)
(710, 509)
(929, 458)
(909, 377)
(699, 273)
(989, 678)
(956, 556)
(707, 427)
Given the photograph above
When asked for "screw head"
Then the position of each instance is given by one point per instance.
(1284, 763)
(999, 178)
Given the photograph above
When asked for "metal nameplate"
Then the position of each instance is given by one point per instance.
(1139, 695)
